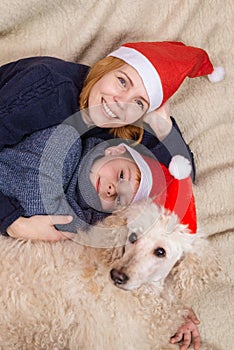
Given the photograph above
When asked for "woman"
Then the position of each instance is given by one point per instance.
(40, 92)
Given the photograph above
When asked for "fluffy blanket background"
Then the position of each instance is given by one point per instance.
(86, 30)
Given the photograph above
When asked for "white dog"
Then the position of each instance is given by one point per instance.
(63, 295)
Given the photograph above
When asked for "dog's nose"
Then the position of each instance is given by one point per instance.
(118, 277)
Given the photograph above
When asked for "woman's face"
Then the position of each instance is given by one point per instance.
(118, 98)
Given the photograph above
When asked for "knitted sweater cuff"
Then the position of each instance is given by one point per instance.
(12, 211)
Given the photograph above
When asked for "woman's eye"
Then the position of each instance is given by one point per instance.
(140, 104)
(122, 81)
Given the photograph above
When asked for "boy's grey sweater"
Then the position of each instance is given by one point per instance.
(42, 174)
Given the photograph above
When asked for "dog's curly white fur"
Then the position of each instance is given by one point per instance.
(63, 295)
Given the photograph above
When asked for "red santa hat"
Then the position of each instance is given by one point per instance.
(163, 66)
(169, 187)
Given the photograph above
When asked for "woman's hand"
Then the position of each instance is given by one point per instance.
(40, 227)
(159, 120)
(188, 332)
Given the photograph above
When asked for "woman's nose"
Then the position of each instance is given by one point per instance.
(124, 97)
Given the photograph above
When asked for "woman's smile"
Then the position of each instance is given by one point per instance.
(107, 110)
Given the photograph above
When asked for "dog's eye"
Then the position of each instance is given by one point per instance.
(160, 252)
(133, 237)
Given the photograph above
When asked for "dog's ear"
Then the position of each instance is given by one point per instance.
(142, 214)
(195, 270)
(110, 255)
(109, 233)
(117, 219)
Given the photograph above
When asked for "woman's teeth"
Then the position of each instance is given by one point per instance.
(108, 111)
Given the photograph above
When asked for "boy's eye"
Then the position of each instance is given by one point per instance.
(118, 201)
(122, 81)
(121, 175)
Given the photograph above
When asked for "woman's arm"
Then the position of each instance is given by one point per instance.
(160, 121)
(169, 140)
(37, 93)
(187, 332)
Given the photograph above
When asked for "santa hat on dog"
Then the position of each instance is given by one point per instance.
(163, 66)
(168, 187)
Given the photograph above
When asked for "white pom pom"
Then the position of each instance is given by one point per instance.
(216, 75)
(180, 167)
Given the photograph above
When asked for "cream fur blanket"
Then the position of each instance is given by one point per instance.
(86, 30)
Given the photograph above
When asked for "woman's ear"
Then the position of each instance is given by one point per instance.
(115, 150)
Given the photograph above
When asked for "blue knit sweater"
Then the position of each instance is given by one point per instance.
(41, 172)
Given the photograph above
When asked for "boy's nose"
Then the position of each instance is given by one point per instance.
(111, 190)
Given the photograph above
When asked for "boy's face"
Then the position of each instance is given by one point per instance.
(114, 178)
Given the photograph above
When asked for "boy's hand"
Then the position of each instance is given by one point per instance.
(188, 332)
(40, 227)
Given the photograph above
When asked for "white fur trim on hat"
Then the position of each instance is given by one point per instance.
(146, 175)
(180, 167)
(217, 75)
(147, 72)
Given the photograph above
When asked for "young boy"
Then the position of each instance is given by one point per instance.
(53, 171)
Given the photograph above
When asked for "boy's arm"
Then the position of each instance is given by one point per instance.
(44, 170)
(10, 210)
(40, 227)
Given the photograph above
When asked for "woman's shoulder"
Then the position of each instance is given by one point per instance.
(41, 66)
